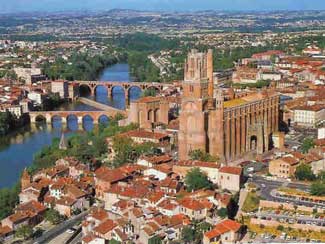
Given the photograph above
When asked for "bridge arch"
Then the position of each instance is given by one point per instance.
(88, 122)
(101, 89)
(85, 90)
(72, 122)
(103, 119)
(57, 121)
(117, 89)
(40, 118)
(134, 92)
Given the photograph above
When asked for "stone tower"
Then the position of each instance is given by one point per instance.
(25, 179)
(197, 102)
(210, 72)
(216, 127)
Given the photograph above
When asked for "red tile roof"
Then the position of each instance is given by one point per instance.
(231, 170)
(105, 227)
(222, 228)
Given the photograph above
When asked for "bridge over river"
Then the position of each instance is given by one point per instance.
(48, 116)
(126, 86)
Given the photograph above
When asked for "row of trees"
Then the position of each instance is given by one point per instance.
(80, 66)
(304, 172)
(8, 122)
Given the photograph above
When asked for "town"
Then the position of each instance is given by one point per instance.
(223, 145)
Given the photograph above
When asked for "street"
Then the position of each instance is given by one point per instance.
(267, 188)
(59, 229)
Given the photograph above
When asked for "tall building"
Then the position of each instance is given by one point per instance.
(227, 129)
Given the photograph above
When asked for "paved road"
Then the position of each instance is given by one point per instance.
(57, 230)
(271, 185)
(77, 239)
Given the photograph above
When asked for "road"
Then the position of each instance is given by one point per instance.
(59, 229)
(268, 186)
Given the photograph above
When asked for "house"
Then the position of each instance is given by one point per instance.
(65, 206)
(16, 220)
(160, 172)
(226, 232)
(104, 230)
(151, 161)
(105, 178)
(92, 239)
(284, 167)
(209, 168)
(230, 178)
(194, 209)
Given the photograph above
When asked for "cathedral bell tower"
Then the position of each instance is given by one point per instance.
(197, 101)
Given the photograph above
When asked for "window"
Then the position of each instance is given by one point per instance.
(191, 88)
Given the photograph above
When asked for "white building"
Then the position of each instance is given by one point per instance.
(36, 97)
(309, 116)
(321, 133)
(61, 87)
(27, 73)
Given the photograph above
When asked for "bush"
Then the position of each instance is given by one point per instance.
(195, 179)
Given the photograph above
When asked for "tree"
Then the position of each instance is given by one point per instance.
(155, 240)
(307, 144)
(222, 212)
(321, 176)
(24, 232)
(195, 179)
(318, 189)
(304, 172)
(53, 216)
(188, 234)
(280, 228)
(202, 156)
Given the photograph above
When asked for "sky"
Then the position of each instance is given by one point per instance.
(162, 5)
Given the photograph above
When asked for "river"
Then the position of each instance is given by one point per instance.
(17, 150)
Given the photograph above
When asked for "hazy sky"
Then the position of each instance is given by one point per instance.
(185, 5)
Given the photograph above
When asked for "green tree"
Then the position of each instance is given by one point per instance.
(155, 240)
(202, 156)
(195, 179)
(318, 189)
(304, 172)
(222, 212)
(25, 232)
(188, 234)
(321, 176)
(53, 216)
(307, 144)
(8, 200)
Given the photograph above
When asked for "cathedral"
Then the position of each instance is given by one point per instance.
(228, 129)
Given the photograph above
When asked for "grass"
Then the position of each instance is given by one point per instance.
(251, 203)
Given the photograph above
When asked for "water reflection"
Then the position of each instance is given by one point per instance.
(17, 150)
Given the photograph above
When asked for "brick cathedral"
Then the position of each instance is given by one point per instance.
(229, 129)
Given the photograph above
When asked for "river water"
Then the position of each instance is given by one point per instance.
(17, 150)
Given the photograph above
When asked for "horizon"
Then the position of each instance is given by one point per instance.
(49, 6)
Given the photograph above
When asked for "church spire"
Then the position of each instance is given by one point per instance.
(63, 144)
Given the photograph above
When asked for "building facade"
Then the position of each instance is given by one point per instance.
(227, 129)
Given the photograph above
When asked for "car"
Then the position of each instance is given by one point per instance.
(263, 185)
(70, 231)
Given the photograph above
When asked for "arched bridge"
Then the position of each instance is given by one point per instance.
(126, 86)
(80, 115)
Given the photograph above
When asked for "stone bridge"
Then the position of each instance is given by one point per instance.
(126, 86)
(80, 115)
